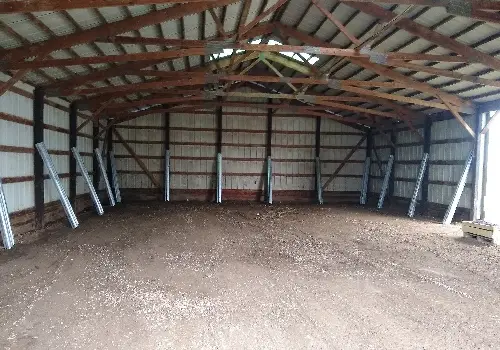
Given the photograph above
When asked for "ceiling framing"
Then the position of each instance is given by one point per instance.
(397, 60)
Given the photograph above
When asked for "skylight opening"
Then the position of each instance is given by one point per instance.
(303, 57)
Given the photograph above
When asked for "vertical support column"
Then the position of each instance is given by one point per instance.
(109, 170)
(390, 191)
(319, 188)
(478, 168)
(425, 179)
(269, 182)
(166, 182)
(38, 127)
(73, 117)
(218, 195)
(368, 166)
(95, 162)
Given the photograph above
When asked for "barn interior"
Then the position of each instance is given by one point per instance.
(252, 174)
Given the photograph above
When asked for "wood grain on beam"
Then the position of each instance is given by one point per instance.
(380, 70)
(17, 6)
(110, 29)
(427, 34)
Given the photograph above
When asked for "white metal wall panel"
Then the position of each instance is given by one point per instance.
(293, 141)
(243, 148)
(193, 151)
(449, 141)
(84, 146)
(381, 145)
(407, 151)
(337, 140)
(146, 137)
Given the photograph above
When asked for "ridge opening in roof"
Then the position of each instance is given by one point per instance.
(300, 57)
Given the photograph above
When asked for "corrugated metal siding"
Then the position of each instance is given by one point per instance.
(193, 151)
(334, 148)
(58, 141)
(20, 195)
(406, 151)
(146, 138)
(381, 145)
(459, 144)
(243, 148)
(84, 146)
(293, 142)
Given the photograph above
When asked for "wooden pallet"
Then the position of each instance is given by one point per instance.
(482, 230)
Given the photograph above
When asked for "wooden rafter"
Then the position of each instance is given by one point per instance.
(13, 6)
(427, 34)
(336, 22)
(379, 69)
(478, 8)
(458, 117)
(172, 54)
(110, 29)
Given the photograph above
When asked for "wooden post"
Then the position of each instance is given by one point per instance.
(218, 113)
(218, 156)
(108, 153)
(369, 148)
(73, 116)
(318, 136)
(95, 163)
(390, 190)
(269, 129)
(425, 180)
(167, 131)
(38, 127)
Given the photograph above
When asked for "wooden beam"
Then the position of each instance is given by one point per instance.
(336, 22)
(95, 163)
(458, 117)
(73, 116)
(137, 159)
(38, 131)
(444, 73)
(321, 103)
(425, 33)
(380, 70)
(344, 162)
(189, 79)
(200, 51)
(18, 6)
(260, 17)
(424, 202)
(111, 29)
(479, 4)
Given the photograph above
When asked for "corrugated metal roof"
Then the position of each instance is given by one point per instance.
(17, 30)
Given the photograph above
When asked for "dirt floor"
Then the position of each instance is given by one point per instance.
(250, 276)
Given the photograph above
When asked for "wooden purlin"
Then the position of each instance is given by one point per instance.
(19, 6)
(379, 69)
(110, 29)
(427, 34)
